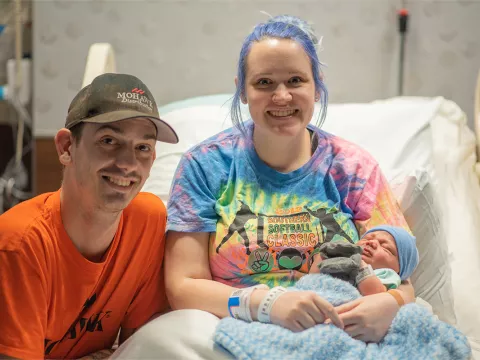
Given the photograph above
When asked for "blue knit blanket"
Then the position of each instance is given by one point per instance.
(414, 334)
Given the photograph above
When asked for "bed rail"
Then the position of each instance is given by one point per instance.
(100, 60)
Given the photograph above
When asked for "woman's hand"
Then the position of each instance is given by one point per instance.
(368, 318)
(300, 310)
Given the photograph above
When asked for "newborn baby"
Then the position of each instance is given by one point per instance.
(378, 262)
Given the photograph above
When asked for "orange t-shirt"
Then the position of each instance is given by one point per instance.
(54, 303)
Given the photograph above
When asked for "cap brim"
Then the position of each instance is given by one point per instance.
(165, 132)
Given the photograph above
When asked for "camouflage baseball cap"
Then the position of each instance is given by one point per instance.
(115, 97)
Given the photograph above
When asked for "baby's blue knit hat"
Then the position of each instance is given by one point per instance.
(407, 249)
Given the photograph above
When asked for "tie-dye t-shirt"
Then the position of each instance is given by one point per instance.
(266, 225)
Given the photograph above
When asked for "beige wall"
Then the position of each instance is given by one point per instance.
(190, 48)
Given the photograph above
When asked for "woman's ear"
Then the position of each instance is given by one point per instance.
(242, 94)
(243, 98)
(317, 96)
(63, 144)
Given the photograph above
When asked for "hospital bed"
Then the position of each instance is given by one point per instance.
(429, 155)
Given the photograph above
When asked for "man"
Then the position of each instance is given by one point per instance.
(82, 263)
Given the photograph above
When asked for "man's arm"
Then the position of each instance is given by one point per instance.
(125, 334)
(23, 304)
(5, 357)
(106, 353)
(102, 354)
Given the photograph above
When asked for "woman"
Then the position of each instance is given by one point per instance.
(252, 205)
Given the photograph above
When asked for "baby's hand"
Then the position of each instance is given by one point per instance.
(317, 259)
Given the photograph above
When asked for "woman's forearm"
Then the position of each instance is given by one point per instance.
(202, 294)
(207, 295)
(188, 279)
(407, 291)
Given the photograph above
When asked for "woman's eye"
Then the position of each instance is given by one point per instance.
(295, 80)
(263, 82)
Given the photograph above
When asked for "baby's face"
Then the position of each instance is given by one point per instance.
(380, 250)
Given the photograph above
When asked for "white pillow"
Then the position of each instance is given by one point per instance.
(432, 278)
(193, 125)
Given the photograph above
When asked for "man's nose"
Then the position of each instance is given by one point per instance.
(126, 159)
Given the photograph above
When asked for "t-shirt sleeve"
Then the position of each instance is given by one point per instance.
(191, 206)
(150, 298)
(23, 305)
(377, 205)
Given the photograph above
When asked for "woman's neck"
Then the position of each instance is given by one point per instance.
(284, 154)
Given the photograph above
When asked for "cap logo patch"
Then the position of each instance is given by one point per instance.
(136, 97)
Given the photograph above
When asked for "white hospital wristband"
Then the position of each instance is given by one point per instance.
(266, 305)
(364, 273)
(248, 297)
(239, 302)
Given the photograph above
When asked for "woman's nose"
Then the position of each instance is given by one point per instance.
(281, 95)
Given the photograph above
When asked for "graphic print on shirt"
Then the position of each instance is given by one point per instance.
(91, 324)
(283, 238)
(243, 215)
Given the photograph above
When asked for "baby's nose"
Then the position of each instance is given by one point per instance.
(373, 243)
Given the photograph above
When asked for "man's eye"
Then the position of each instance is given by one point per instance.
(144, 148)
(107, 140)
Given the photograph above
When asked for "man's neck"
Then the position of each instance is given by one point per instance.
(91, 230)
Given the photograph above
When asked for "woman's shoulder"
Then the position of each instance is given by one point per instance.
(343, 150)
(219, 145)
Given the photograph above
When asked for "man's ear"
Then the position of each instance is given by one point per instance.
(63, 144)
(242, 94)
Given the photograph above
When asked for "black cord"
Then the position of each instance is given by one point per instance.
(402, 28)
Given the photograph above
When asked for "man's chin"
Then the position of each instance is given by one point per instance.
(116, 202)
